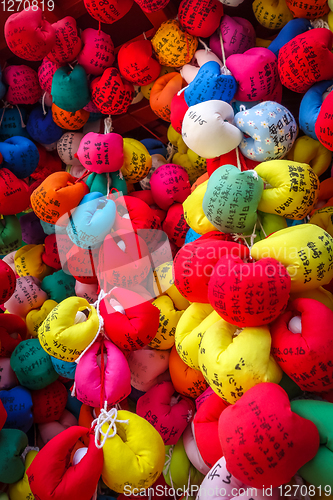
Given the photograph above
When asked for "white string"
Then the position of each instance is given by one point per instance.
(262, 227)
(171, 150)
(166, 468)
(242, 107)
(108, 184)
(144, 35)
(207, 49)
(70, 66)
(108, 125)
(3, 111)
(319, 23)
(106, 417)
(239, 166)
(94, 497)
(43, 103)
(188, 482)
(23, 125)
(243, 237)
(96, 305)
(222, 47)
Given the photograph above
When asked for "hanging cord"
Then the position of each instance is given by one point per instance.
(100, 330)
(106, 417)
(6, 105)
(261, 227)
(207, 49)
(171, 150)
(244, 237)
(108, 187)
(101, 402)
(43, 104)
(222, 47)
(146, 128)
(224, 69)
(239, 166)
(188, 49)
(108, 125)
(83, 176)
(144, 36)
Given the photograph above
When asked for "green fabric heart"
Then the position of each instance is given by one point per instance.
(319, 471)
(10, 234)
(179, 468)
(12, 444)
(231, 199)
(70, 88)
(59, 286)
(32, 365)
(99, 183)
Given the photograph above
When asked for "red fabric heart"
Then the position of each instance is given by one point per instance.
(108, 11)
(134, 329)
(323, 125)
(200, 18)
(152, 5)
(306, 357)
(49, 403)
(7, 282)
(14, 197)
(263, 441)
(205, 425)
(3, 415)
(136, 62)
(68, 43)
(306, 59)
(249, 294)
(51, 474)
(110, 93)
(194, 263)
(29, 35)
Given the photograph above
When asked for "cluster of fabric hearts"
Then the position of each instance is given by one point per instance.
(167, 311)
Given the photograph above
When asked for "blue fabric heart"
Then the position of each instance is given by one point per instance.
(271, 128)
(13, 123)
(18, 405)
(209, 84)
(20, 156)
(91, 221)
(42, 128)
(289, 31)
(310, 107)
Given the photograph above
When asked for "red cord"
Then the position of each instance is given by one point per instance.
(102, 375)
(146, 128)
(138, 245)
(86, 173)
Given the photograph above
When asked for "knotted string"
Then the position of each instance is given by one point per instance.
(108, 125)
(319, 23)
(171, 150)
(106, 417)
(244, 237)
